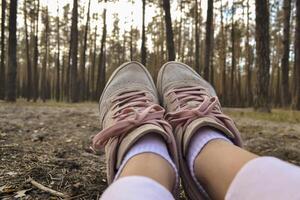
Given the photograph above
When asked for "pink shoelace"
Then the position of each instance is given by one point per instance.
(131, 109)
(194, 102)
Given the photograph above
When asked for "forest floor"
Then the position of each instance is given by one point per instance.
(50, 144)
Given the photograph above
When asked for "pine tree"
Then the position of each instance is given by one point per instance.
(73, 53)
(12, 53)
(2, 58)
(102, 59)
(208, 38)
(169, 30)
(143, 47)
(262, 38)
(296, 98)
(285, 94)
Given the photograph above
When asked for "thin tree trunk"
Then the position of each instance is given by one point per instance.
(28, 59)
(169, 30)
(296, 99)
(285, 94)
(62, 83)
(232, 74)
(124, 47)
(211, 63)
(57, 90)
(209, 23)
(74, 51)
(94, 65)
(143, 48)
(12, 53)
(36, 55)
(131, 36)
(262, 38)
(68, 70)
(197, 42)
(223, 58)
(45, 61)
(248, 92)
(83, 57)
(277, 93)
(101, 67)
(2, 65)
(180, 32)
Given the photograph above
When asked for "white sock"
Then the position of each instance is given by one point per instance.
(198, 141)
(150, 143)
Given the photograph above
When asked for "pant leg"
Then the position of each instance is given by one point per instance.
(136, 188)
(266, 178)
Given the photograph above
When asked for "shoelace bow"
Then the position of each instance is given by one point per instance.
(195, 102)
(131, 109)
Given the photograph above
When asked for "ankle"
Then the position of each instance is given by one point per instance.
(149, 157)
(203, 137)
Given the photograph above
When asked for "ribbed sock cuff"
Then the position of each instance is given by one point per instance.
(150, 143)
(198, 142)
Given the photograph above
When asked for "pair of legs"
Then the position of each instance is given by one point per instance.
(146, 143)
(213, 168)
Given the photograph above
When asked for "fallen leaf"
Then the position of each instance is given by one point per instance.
(6, 189)
(12, 173)
(69, 140)
(21, 193)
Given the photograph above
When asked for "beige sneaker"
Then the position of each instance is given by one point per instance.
(129, 109)
(191, 103)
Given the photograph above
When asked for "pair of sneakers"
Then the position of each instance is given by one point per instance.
(130, 108)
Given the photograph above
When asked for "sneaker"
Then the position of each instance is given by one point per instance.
(129, 109)
(191, 103)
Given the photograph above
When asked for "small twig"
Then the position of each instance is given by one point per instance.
(75, 197)
(46, 189)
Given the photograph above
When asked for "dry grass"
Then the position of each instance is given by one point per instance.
(277, 115)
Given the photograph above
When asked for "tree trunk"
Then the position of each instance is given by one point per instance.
(248, 92)
(57, 90)
(83, 57)
(36, 56)
(262, 38)
(93, 66)
(232, 75)
(74, 51)
(179, 55)
(209, 24)
(101, 64)
(62, 83)
(131, 36)
(169, 30)
(296, 98)
(28, 59)
(197, 42)
(223, 58)
(285, 94)
(211, 63)
(45, 61)
(12, 53)
(143, 48)
(2, 58)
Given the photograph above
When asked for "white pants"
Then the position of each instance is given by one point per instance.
(263, 178)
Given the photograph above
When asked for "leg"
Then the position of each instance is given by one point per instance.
(147, 170)
(229, 172)
(152, 166)
(139, 146)
(215, 170)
